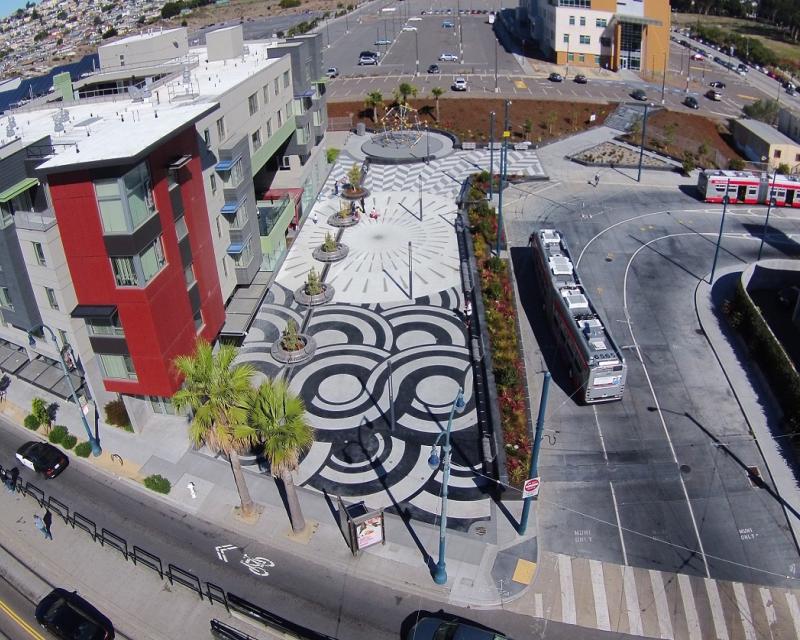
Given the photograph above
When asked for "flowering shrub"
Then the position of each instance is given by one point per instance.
(498, 301)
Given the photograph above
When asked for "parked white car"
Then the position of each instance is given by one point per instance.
(459, 84)
(448, 57)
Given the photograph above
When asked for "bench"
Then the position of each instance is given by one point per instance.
(468, 146)
(521, 146)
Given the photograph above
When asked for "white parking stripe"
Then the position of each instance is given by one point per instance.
(632, 602)
(794, 610)
(599, 593)
(769, 607)
(568, 612)
(744, 611)
(689, 608)
(716, 610)
(662, 608)
(538, 605)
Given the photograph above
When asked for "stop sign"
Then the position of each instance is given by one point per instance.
(531, 488)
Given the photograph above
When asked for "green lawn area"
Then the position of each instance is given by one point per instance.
(771, 36)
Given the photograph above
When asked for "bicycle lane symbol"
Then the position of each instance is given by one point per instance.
(257, 565)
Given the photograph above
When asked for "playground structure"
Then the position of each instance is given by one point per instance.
(401, 128)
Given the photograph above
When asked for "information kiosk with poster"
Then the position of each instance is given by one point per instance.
(361, 527)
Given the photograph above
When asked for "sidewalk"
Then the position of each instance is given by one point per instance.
(481, 564)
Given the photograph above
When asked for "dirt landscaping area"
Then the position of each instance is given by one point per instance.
(541, 121)
(247, 10)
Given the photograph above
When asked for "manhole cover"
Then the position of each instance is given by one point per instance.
(685, 468)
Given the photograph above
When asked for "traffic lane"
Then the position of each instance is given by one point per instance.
(663, 317)
(327, 599)
(16, 615)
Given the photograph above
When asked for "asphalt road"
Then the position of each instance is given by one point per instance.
(16, 615)
(312, 594)
(629, 483)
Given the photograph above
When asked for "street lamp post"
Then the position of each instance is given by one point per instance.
(664, 78)
(96, 450)
(427, 144)
(770, 204)
(503, 169)
(725, 201)
(496, 45)
(416, 46)
(491, 154)
(641, 148)
(440, 573)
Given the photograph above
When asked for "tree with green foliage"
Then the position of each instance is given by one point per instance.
(110, 33)
(765, 110)
(403, 91)
(313, 285)
(217, 391)
(373, 102)
(39, 409)
(437, 92)
(278, 418)
(290, 337)
(354, 176)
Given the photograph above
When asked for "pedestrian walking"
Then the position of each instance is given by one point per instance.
(596, 179)
(40, 525)
(468, 309)
(336, 187)
(315, 218)
(363, 206)
(48, 522)
(11, 479)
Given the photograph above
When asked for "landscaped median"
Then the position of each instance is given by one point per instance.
(497, 293)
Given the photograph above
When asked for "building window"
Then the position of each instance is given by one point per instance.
(117, 367)
(225, 267)
(256, 138)
(125, 203)
(269, 127)
(316, 118)
(234, 176)
(5, 299)
(285, 164)
(241, 218)
(289, 109)
(221, 129)
(597, 60)
(6, 215)
(601, 22)
(219, 229)
(188, 274)
(112, 327)
(265, 93)
(280, 118)
(38, 252)
(572, 21)
(277, 86)
(152, 260)
(581, 57)
(586, 40)
(213, 183)
(137, 271)
(161, 405)
(566, 38)
(776, 153)
(252, 104)
(207, 137)
(64, 337)
(124, 271)
(51, 298)
(180, 228)
(583, 21)
(198, 320)
(285, 79)
(243, 259)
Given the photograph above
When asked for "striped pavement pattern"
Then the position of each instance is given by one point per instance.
(656, 604)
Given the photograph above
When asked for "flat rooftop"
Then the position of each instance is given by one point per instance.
(119, 128)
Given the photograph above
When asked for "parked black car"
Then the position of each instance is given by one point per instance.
(581, 79)
(43, 458)
(639, 94)
(555, 77)
(717, 84)
(434, 68)
(66, 615)
(691, 102)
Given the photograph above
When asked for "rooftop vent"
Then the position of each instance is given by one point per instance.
(560, 266)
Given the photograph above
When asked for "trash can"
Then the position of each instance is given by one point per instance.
(361, 129)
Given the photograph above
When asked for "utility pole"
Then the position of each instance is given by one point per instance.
(537, 445)
(503, 169)
(416, 45)
(641, 148)
(770, 203)
(491, 154)
(725, 201)
(410, 272)
(496, 45)
(664, 78)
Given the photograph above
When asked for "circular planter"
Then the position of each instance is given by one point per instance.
(294, 357)
(302, 297)
(354, 194)
(337, 254)
(338, 221)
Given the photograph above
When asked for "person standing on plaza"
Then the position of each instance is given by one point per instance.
(40, 525)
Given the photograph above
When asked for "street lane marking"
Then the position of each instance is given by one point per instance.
(632, 602)
(740, 95)
(568, 612)
(662, 608)
(538, 605)
(794, 610)
(689, 609)
(769, 606)
(599, 592)
(744, 611)
(716, 609)
(520, 84)
(619, 524)
(33, 633)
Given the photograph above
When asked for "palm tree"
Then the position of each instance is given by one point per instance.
(373, 101)
(436, 92)
(217, 394)
(278, 418)
(403, 91)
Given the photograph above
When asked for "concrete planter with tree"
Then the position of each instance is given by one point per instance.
(331, 250)
(293, 347)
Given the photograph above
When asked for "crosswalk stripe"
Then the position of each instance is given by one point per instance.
(744, 611)
(794, 610)
(568, 612)
(716, 609)
(599, 592)
(662, 608)
(769, 606)
(632, 602)
(538, 605)
(689, 608)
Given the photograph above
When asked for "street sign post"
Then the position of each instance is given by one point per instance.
(531, 488)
